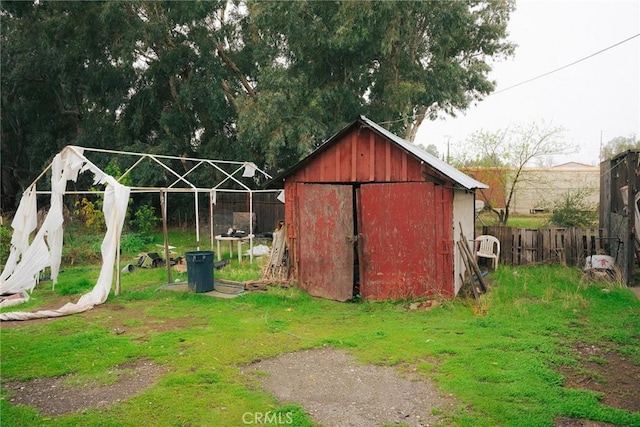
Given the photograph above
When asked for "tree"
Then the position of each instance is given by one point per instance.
(133, 75)
(618, 145)
(61, 83)
(505, 153)
(432, 149)
(254, 80)
(396, 62)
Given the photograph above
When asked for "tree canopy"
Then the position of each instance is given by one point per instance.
(255, 80)
(618, 145)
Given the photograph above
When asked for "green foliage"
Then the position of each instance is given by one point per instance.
(5, 243)
(145, 219)
(90, 214)
(294, 415)
(81, 246)
(572, 210)
(241, 272)
(112, 168)
(134, 243)
(618, 145)
(515, 220)
(335, 64)
(75, 288)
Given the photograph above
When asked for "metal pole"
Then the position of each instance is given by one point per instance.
(197, 221)
(117, 290)
(165, 232)
(211, 231)
(250, 226)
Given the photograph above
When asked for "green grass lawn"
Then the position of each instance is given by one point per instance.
(503, 367)
(540, 220)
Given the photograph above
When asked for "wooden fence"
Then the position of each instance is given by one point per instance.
(570, 246)
(268, 209)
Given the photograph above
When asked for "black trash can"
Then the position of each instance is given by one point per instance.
(200, 271)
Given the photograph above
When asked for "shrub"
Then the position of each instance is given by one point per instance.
(145, 219)
(90, 214)
(572, 210)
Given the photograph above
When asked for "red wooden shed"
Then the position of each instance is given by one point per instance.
(369, 213)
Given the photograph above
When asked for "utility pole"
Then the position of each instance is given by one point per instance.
(600, 156)
(448, 148)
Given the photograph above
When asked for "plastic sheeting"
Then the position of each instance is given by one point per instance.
(26, 261)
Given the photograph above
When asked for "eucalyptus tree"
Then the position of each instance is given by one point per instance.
(398, 62)
(133, 75)
(61, 83)
(177, 104)
(262, 81)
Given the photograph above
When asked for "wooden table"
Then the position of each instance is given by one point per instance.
(231, 239)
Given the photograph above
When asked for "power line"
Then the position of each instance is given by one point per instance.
(565, 66)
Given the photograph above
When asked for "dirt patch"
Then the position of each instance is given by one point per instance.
(62, 395)
(336, 390)
(135, 321)
(114, 317)
(607, 372)
(575, 422)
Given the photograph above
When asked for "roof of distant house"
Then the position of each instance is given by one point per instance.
(573, 165)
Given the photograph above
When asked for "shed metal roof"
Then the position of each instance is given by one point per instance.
(441, 166)
(444, 168)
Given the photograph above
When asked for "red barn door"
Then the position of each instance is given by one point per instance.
(405, 235)
(325, 235)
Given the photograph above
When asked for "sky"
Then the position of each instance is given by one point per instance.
(594, 100)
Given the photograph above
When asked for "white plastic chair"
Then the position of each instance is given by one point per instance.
(488, 247)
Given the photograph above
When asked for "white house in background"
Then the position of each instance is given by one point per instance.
(541, 186)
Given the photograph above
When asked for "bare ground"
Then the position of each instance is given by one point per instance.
(335, 390)
(62, 395)
(608, 372)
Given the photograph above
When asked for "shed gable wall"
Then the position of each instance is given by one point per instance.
(363, 156)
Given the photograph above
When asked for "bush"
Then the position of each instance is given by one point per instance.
(90, 214)
(573, 210)
(145, 219)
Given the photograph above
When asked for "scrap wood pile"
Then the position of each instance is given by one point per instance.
(472, 277)
(277, 268)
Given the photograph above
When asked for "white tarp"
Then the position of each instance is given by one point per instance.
(26, 261)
